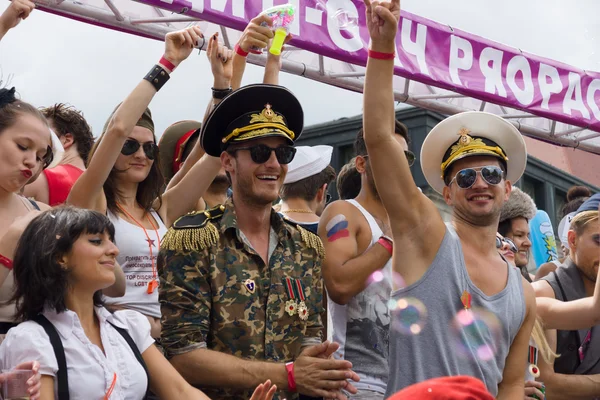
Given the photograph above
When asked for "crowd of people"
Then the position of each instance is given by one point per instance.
(213, 265)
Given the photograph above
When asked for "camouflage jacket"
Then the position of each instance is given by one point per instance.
(216, 291)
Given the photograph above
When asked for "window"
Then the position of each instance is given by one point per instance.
(346, 154)
(534, 188)
(560, 199)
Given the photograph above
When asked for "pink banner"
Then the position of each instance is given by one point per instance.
(428, 52)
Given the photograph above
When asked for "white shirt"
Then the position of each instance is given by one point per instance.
(90, 371)
(136, 259)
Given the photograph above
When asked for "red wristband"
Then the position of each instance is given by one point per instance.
(387, 244)
(7, 262)
(290, 373)
(240, 51)
(381, 56)
(167, 64)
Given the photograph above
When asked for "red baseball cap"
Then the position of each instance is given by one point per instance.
(445, 388)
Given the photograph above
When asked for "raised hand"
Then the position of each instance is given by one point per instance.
(16, 11)
(264, 391)
(256, 35)
(220, 62)
(382, 21)
(179, 44)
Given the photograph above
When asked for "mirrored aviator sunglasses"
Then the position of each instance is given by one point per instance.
(511, 245)
(466, 178)
(261, 153)
(131, 146)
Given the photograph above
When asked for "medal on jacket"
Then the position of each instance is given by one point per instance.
(533, 357)
(466, 299)
(302, 310)
(291, 307)
(250, 285)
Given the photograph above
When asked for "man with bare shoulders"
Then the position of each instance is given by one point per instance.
(358, 275)
(470, 158)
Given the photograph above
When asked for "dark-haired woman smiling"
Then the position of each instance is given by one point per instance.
(123, 181)
(64, 258)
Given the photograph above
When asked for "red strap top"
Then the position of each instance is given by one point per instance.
(60, 181)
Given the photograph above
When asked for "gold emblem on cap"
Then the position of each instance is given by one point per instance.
(267, 115)
(467, 144)
(466, 140)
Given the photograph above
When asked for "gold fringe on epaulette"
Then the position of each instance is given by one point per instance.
(190, 239)
(312, 240)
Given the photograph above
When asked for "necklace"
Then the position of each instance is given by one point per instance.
(153, 284)
(297, 210)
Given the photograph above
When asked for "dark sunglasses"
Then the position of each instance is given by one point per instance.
(466, 178)
(261, 153)
(328, 198)
(511, 245)
(131, 146)
(410, 157)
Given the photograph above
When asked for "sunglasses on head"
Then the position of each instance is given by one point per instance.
(410, 157)
(466, 178)
(131, 146)
(511, 245)
(261, 153)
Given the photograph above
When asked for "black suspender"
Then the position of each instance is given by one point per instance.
(136, 353)
(59, 351)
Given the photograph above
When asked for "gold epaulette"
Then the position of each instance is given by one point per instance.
(313, 241)
(193, 231)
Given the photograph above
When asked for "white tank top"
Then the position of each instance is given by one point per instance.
(136, 262)
(361, 327)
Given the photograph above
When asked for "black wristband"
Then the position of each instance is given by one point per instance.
(157, 77)
(220, 93)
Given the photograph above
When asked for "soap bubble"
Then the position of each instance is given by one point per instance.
(376, 277)
(409, 316)
(397, 280)
(344, 19)
(475, 333)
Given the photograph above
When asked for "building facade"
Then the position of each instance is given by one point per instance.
(545, 183)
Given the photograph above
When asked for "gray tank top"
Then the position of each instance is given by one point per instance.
(568, 285)
(433, 352)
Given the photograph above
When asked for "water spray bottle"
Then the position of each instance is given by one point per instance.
(282, 17)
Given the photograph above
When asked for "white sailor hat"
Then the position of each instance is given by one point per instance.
(472, 133)
(308, 161)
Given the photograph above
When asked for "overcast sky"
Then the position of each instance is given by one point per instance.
(53, 59)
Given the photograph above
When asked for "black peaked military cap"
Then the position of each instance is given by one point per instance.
(252, 112)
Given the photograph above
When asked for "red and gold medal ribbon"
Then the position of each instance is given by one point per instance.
(466, 299)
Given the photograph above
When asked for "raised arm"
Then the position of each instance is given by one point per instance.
(14, 13)
(417, 226)
(88, 190)
(220, 58)
(254, 36)
(184, 196)
(273, 66)
(346, 271)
